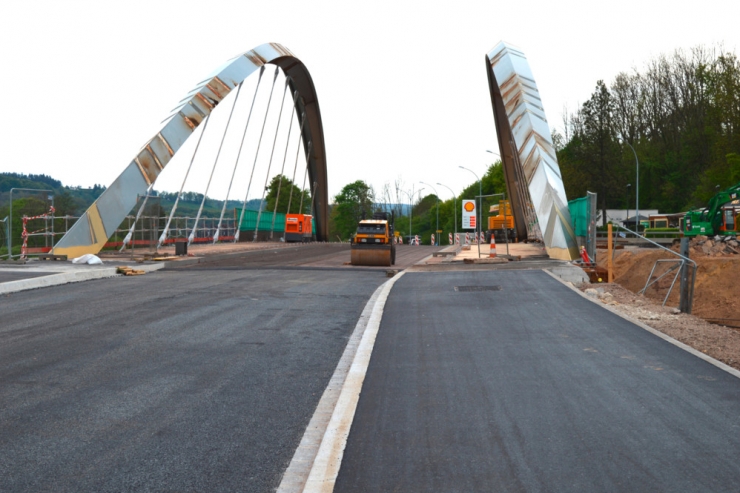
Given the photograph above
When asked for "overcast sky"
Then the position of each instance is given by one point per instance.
(402, 85)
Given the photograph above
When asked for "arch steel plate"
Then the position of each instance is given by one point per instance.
(90, 233)
(527, 152)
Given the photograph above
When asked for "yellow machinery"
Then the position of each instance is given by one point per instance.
(501, 222)
(373, 242)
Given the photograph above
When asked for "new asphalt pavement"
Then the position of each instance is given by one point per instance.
(173, 381)
(204, 377)
(509, 381)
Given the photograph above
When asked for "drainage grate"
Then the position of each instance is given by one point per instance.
(477, 288)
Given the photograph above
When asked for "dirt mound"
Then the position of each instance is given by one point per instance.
(716, 291)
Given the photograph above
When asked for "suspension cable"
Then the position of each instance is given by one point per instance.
(130, 234)
(269, 164)
(295, 166)
(282, 170)
(177, 199)
(213, 169)
(256, 155)
(233, 173)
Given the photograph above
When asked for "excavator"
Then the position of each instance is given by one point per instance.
(720, 217)
(373, 243)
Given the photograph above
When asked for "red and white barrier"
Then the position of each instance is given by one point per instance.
(416, 240)
(25, 233)
(467, 238)
(433, 242)
(449, 238)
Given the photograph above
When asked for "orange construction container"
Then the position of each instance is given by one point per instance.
(298, 227)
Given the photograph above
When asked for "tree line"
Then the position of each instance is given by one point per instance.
(680, 114)
(415, 214)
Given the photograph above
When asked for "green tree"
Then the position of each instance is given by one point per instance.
(286, 188)
(350, 205)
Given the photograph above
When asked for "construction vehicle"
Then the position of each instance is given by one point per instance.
(720, 217)
(501, 222)
(373, 243)
(298, 228)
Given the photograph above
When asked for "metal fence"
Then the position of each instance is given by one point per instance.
(145, 235)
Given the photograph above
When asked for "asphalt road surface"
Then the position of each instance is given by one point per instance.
(7, 276)
(173, 381)
(317, 255)
(533, 388)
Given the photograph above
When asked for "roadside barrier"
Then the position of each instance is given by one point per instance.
(493, 247)
(433, 242)
(449, 238)
(25, 234)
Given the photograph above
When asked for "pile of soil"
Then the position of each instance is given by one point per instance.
(716, 294)
(716, 290)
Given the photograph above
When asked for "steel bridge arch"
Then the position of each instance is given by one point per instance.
(90, 233)
(530, 164)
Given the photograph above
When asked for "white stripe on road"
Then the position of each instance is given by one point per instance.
(315, 464)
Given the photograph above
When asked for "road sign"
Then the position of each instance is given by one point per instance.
(468, 214)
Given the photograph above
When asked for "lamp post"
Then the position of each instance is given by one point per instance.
(454, 209)
(496, 153)
(480, 195)
(411, 206)
(436, 233)
(637, 187)
(629, 189)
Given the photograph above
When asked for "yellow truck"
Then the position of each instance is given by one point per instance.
(501, 222)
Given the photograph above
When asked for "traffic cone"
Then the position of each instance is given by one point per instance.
(493, 247)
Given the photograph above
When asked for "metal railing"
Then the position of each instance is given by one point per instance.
(9, 227)
(685, 261)
(5, 237)
(147, 227)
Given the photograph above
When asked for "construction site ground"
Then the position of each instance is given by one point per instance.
(716, 298)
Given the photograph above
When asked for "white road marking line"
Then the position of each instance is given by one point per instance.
(315, 464)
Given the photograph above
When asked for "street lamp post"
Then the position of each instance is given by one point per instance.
(480, 195)
(411, 207)
(454, 210)
(629, 189)
(436, 232)
(637, 187)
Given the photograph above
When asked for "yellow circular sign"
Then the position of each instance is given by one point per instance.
(469, 206)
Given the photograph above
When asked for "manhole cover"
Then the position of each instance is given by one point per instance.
(477, 288)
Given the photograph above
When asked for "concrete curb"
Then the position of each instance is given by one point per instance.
(56, 278)
(316, 462)
(722, 366)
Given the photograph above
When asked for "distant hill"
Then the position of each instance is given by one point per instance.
(74, 201)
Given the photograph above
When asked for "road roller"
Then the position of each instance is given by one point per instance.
(373, 243)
